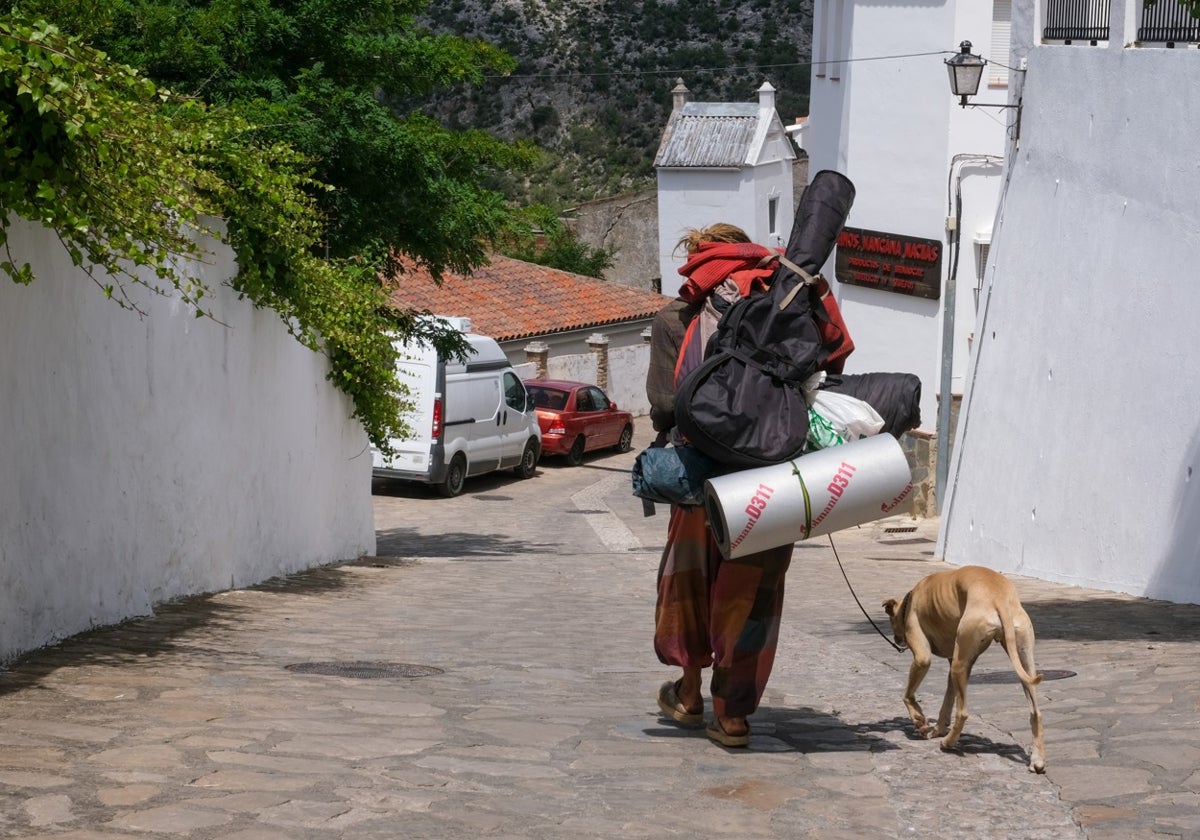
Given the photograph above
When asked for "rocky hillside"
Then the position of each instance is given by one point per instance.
(593, 85)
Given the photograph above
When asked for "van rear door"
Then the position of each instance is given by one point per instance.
(419, 372)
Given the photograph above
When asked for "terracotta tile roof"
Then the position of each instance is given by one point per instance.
(511, 299)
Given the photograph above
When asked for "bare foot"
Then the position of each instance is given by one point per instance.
(734, 726)
(688, 691)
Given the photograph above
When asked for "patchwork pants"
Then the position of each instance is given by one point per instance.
(723, 613)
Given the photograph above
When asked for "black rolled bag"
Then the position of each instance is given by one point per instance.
(896, 396)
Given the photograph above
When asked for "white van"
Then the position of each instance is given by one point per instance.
(468, 418)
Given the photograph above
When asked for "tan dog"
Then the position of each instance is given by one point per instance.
(956, 615)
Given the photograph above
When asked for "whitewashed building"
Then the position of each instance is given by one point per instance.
(1068, 231)
(722, 162)
(1079, 438)
(927, 173)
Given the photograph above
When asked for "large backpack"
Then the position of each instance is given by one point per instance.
(744, 405)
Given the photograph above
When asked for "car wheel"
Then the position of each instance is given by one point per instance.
(529, 458)
(575, 454)
(456, 476)
(626, 441)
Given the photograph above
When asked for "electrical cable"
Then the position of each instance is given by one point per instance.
(726, 69)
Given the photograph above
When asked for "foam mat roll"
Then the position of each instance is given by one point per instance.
(818, 493)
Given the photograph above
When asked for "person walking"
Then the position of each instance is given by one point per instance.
(710, 611)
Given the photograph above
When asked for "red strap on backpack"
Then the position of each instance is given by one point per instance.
(835, 336)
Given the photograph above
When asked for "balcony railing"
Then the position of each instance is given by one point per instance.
(1078, 20)
(1167, 22)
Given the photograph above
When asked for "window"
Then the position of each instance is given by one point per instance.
(773, 215)
(1166, 22)
(1076, 20)
(514, 392)
(591, 399)
(827, 42)
(999, 55)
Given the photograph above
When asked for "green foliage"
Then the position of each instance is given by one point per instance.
(95, 152)
(319, 75)
(540, 237)
(131, 177)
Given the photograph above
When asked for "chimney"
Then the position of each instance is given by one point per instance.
(679, 95)
(766, 97)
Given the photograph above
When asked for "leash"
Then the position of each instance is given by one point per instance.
(860, 606)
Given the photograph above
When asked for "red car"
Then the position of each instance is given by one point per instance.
(576, 418)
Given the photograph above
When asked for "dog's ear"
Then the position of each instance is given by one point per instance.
(890, 606)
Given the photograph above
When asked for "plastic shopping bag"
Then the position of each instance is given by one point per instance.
(821, 433)
(851, 417)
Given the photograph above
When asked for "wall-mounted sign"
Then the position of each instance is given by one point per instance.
(888, 261)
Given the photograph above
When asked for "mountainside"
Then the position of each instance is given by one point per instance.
(593, 85)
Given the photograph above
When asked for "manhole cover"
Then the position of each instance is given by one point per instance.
(1011, 676)
(364, 670)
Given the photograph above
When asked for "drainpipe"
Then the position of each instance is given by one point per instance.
(946, 398)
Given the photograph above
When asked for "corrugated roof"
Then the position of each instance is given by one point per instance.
(709, 134)
(511, 299)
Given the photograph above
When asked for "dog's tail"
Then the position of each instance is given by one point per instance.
(1010, 645)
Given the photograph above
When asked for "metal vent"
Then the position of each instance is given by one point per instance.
(996, 677)
(364, 670)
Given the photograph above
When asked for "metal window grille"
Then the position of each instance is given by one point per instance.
(1077, 20)
(1167, 21)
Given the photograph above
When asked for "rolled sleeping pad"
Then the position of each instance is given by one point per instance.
(819, 493)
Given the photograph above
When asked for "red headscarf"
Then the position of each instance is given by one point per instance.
(743, 262)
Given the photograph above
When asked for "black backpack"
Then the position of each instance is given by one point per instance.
(744, 405)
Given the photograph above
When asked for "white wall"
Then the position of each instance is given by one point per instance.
(688, 199)
(774, 181)
(696, 199)
(1080, 431)
(627, 366)
(146, 459)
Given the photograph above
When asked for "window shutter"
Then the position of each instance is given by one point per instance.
(999, 56)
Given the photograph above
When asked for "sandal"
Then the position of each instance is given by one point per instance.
(669, 702)
(717, 733)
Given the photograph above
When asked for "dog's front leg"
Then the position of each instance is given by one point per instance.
(916, 673)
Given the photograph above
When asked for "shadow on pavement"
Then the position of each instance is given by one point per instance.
(968, 742)
(458, 545)
(597, 465)
(1115, 619)
(807, 730)
(165, 630)
(803, 730)
(475, 485)
(497, 481)
(124, 643)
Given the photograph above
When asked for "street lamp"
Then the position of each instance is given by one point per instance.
(965, 72)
